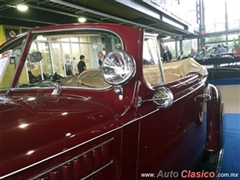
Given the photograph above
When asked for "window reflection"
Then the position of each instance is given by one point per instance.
(151, 59)
(61, 54)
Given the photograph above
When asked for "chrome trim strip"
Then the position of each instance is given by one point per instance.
(80, 29)
(221, 157)
(72, 29)
(17, 38)
(134, 120)
(188, 93)
(31, 88)
(130, 122)
(157, 84)
(87, 88)
(28, 34)
(47, 171)
(150, 113)
(94, 172)
(63, 87)
(139, 118)
(74, 147)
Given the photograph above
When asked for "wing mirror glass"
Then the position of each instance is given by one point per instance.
(163, 97)
(36, 56)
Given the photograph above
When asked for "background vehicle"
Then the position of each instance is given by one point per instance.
(211, 57)
(116, 121)
(223, 67)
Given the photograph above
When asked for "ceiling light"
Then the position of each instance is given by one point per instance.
(81, 19)
(22, 7)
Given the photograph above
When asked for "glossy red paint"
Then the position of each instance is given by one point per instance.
(214, 124)
(82, 133)
(44, 128)
(166, 134)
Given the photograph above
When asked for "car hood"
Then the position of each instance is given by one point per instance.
(34, 128)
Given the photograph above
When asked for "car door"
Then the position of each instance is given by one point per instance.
(171, 135)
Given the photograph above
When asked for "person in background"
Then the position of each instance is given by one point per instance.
(220, 49)
(101, 57)
(167, 56)
(81, 64)
(205, 48)
(180, 55)
(68, 68)
(193, 53)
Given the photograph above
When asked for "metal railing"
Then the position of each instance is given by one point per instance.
(174, 8)
(220, 26)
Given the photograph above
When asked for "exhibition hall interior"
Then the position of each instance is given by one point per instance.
(119, 89)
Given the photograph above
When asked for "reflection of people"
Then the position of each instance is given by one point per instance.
(180, 56)
(68, 67)
(220, 49)
(101, 57)
(81, 64)
(193, 53)
(167, 56)
(146, 62)
(205, 48)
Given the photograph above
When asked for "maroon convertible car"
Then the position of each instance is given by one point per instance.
(130, 118)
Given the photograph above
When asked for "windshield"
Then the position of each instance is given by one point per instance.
(70, 58)
(10, 54)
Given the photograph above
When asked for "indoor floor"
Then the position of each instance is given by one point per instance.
(231, 130)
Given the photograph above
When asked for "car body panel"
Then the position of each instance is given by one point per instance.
(98, 133)
(163, 134)
(71, 127)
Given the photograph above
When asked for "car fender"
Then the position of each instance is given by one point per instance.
(214, 109)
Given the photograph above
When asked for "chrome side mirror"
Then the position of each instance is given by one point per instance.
(162, 97)
(36, 56)
(58, 88)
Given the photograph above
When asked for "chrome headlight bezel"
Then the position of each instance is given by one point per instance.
(118, 67)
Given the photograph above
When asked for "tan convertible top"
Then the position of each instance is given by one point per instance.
(184, 67)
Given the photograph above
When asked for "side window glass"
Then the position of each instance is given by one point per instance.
(151, 61)
(61, 63)
(155, 72)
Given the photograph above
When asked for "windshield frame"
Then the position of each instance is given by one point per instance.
(33, 34)
(11, 44)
